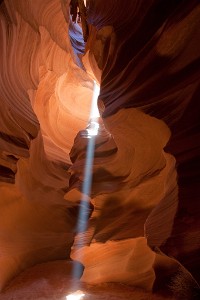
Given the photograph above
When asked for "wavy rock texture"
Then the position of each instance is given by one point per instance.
(145, 184)
(155, 67)
(131, 181)
(127, 261)
(45, 100)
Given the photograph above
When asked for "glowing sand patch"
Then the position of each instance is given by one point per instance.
(78, 295)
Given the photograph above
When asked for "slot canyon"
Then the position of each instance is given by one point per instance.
(99, 149)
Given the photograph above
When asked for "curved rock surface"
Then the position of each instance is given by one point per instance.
(145, 171)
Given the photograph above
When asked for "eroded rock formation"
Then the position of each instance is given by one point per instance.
(143, 220)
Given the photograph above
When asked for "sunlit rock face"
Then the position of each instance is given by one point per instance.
(45, 101)
(135, 266)
(144, 192)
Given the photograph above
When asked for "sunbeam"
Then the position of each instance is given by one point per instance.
(84, 210)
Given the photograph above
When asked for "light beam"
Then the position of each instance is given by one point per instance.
(82, 222)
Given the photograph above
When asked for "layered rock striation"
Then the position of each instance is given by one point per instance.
(143, 203)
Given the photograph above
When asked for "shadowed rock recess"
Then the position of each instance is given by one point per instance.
(141, 239)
